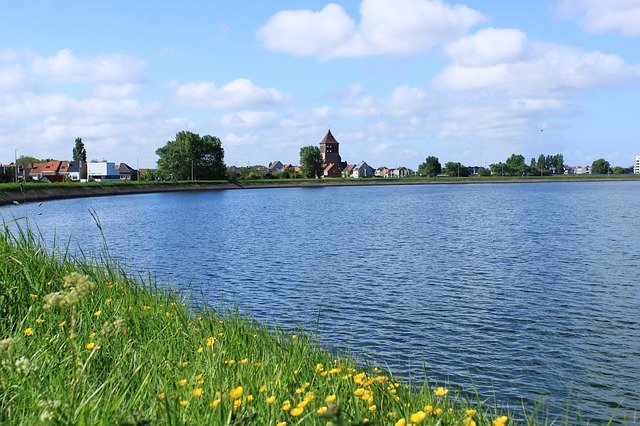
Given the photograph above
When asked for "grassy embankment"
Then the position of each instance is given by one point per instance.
(83, 343)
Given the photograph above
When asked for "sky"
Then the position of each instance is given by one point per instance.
(395, 81)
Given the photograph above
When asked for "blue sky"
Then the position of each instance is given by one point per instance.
(396, 81)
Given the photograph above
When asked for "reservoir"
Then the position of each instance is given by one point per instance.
(527, 293)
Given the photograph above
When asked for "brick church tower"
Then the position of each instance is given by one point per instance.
(331, 156)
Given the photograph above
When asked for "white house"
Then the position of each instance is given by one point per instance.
(636, 164)
(363, 170)
(102, 172)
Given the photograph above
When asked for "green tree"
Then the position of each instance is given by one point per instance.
(79, 152)
(311, 161)
(600, 167)
(27, 160)
(558, 160)
(430, 167)
(456, 169)
(617, 170)
(483, 171)
(515, 165)
(191, 156)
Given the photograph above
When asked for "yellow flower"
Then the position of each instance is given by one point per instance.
(230, 362)
(322, 410)
(214, 403)
(469, 422)
(262, 389)
(427, 409)
(146, 308)
(197, 392)
(211, 341)
(438, 411)
(401, 422)
(319, 367)
(329, 399)
(271, 400)
(199, 350)
(391, 414)
(237, 403)
(471, 412)
(500, 421)
(296, 411)
(281, 424)
(358, 392)
(39, 321)
(28, 331)
(294, 337)
(440, 391)
(161, 395)
(182, 382)
(90, 346)
(372, 408)
(184, 403)
(109, 300)
(62, 323)
(236, 393)
(286, 405)
(97, 313)
(250, 398)
(199, 378)
(33, 296)
(418, 417)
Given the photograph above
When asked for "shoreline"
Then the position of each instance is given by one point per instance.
(28, 194)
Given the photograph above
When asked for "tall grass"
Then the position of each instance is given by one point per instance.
(83, 343)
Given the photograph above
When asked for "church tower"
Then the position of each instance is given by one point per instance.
(329, 148)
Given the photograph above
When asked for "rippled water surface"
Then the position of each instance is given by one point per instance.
(528, 292)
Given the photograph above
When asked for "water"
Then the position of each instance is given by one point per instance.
(528, 292)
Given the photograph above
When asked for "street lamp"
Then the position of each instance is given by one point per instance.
(15, 162)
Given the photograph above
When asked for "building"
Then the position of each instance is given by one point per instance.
(48, 171)
(275, 167)
(332, 163)
(126, 172)
(74, 170)
(363, 170)
(636, 165)
(102, 172)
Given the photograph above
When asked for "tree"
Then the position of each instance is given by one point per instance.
(456, 169)
(515, 165)
(430, 167)
(191, 156)
(27, 160)
(559, 164)
(79, 153)
(483, 171)
(311, 161)
(600, 167)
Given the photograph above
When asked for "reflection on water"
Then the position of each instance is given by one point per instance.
(525, 291)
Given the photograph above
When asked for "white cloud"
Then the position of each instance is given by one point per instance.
(65, 66)
(248, 119)
(542, 67)
(14, 78)
(619, 16)
(116, 91)
(401, 27)
(488, 46)
(235, 94)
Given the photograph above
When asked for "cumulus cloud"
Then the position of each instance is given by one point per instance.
(401, 27)
(598, 16)
(65, 66)
(235, 94)
(248, 119)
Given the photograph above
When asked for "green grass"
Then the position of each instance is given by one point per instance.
(83, 343)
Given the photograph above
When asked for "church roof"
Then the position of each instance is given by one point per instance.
(329, 138)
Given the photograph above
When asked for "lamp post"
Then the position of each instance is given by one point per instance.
(15, 162)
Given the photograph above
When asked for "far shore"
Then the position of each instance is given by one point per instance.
(26, 193)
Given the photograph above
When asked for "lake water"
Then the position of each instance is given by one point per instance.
(528, 292)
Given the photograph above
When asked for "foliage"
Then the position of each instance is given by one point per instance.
(148, 176)
(79, 152)
(311, 162)
(484, 172)
(431, 167)
(454, 169)
(82, 343)
(600, 167)
(191, 156)
(617, 170)
(27, 160)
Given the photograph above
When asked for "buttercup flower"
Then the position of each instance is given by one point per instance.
(500, 421)
(418, 417)
(329, 399)
(28, 331)
(296, 411)
(236, 393)
(271, 400)
(440, 391)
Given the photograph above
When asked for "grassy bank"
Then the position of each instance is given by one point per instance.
(83, 343)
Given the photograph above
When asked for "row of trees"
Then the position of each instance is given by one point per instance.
(192, 157)
(515, 165)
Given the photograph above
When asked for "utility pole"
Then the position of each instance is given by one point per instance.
(15, 162)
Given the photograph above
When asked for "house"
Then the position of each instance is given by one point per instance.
(347, 171)
(579, 170)
(332, 163)
(48, 171)
(363, 170)
(126, 172)
(102, 171)
(275, 167)
(74, 170)
(636, 164)
(401, 172)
